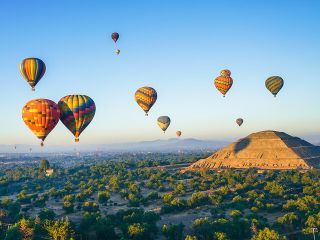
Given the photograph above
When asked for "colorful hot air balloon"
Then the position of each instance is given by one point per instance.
(274, 84)
(32, 69)
(224, 82)
(239, 121)
(77, 111)
(115, 36)
(164, 122)
(178, 133)
(41, 116)
(145, 97)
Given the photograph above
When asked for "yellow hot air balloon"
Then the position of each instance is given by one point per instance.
(146, 97)
(274, 84)
(164, 122)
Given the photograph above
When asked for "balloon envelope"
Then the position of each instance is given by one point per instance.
(224, 82)
(274, 84)
(41, 116)
(115, 36)
(32, 70)
(239, 121)
(164, 122)
(77, 111)
(146, 97)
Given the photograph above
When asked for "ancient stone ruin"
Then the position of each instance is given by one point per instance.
(264, 150)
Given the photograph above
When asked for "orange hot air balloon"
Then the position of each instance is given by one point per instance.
(178, 133)
(41, 116)
(224, 82)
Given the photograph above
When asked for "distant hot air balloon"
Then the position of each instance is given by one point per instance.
(32, 69)
(115, 36)
(239, 121)
(164, 122)
(178, 133)
(224, 82)
(77, 111)
(145, 97)
(274, 84)
(41, 116)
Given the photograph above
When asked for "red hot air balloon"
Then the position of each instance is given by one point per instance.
(115, 36)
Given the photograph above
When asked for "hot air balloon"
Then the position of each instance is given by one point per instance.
(239, 121)
(178, 133)
(77, 111)
(145, 97)
(32, 69)
(224, 82)
(41, 116)
(274, 84)
(164, 122)
(115, 36)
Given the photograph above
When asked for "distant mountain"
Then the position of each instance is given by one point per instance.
(170, 145)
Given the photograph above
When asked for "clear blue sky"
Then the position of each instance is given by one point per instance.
(177, 47)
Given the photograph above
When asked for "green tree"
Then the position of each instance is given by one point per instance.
(13, 233)
(103, 196)
(173, 232)
(46, 213)
(136, 231)
(60, 229)
(220, 236)
(267, 234)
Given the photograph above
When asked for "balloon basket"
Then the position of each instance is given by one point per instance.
(76, 139)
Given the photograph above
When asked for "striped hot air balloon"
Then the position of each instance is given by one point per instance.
(115, 36)
(145, 97)
(32, 69)
(274, 84)
(77, 111)
(41, 116)
(164, 122)
(224, 82)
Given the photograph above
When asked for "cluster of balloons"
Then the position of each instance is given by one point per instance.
(224, 82)
(77, 111)
(146, 98)
(42, 115)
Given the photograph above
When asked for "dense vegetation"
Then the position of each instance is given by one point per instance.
(145, 196)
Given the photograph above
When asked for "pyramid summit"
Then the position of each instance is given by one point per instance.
(264, 150)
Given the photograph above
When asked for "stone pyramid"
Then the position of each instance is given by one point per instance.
(264, 150)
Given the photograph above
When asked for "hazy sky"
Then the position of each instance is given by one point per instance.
(177, 47)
